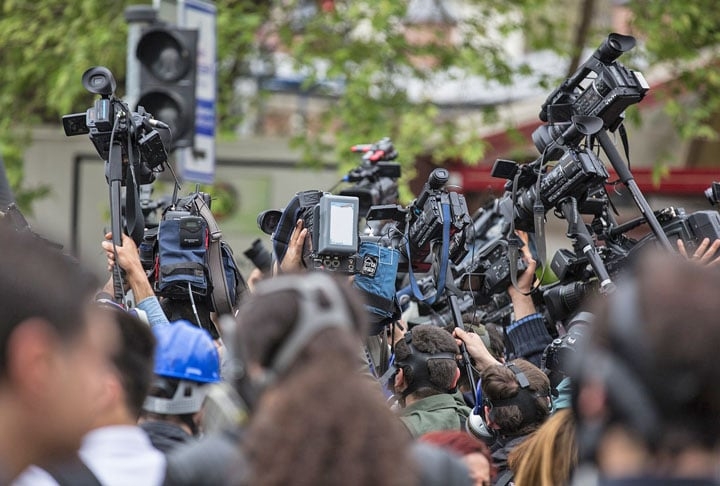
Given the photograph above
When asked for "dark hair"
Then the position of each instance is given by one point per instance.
(430, 339)
(134, 360)
(661, 328)
(322, 422)
(37, 281)
(499, 382)
(265, 321)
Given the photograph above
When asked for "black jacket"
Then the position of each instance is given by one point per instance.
(165, 436)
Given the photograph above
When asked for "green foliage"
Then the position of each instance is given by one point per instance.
(365, 44)
(44, 49)
(686, 36)
(46, 46)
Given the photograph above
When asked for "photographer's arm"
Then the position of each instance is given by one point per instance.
(129, 260)
(527, 332)
(475, 348)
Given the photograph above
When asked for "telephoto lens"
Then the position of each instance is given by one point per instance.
(260, 257)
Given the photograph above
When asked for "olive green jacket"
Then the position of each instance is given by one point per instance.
(437, 412)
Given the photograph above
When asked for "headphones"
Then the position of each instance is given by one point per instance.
(417, 361)
(524, 399)
(312, 318)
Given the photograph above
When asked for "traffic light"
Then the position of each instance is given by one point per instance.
(167, 56)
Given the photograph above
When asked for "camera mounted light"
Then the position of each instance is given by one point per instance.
(99, 80)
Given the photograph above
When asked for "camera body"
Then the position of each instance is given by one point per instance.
(575, 174)
(434, 208)
(110, 122)
(332, 239)
(374, 185)
(612, 89)
(489, 271)
(690, 228)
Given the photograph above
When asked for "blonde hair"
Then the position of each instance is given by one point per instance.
(549, 455)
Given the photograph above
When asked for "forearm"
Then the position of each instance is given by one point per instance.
(151, 306)
(139, 283)
(529, 337)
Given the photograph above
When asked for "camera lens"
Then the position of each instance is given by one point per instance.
(260, 257)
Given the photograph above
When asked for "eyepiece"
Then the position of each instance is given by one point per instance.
(613, 47)
(99, 80)
(438, 178)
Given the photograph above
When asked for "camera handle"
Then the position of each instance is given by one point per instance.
(627, 178)
(114, 174)
(582, 242)
(454, 305)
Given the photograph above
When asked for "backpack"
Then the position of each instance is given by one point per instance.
(191, 258)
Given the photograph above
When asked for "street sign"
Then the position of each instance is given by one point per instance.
(198, 164)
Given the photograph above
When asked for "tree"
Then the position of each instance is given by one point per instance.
(685, 36)
(372, 47)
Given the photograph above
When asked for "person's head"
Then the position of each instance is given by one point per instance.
(133, 363)
(54, 349)
(516, 397)
(425, 362)
(315, 411)
(186, 362)
(292, 319)
(475, 453)
(549, 456)
(648, 373)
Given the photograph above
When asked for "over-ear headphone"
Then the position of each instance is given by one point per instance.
(475, 423)
(321, 305)
(417, 361)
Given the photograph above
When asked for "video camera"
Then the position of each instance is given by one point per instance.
(332, 229)
(131, 148)
(376, 178)
(607, 95)
(426, 219)
(109, 121)
(577, 172)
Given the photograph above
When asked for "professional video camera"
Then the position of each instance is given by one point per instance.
(376, 178)
(332, 223)
(111, 124)
(606, 95)
(131, 148)
(560, 356)
(436, 216)
(485, 270)
(578, 171)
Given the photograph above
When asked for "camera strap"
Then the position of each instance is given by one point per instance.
(135, 221)
(221, 297)
(444, 257)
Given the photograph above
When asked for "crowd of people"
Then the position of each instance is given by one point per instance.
(285, 391)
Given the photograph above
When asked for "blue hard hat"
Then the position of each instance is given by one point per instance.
(186, 352)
